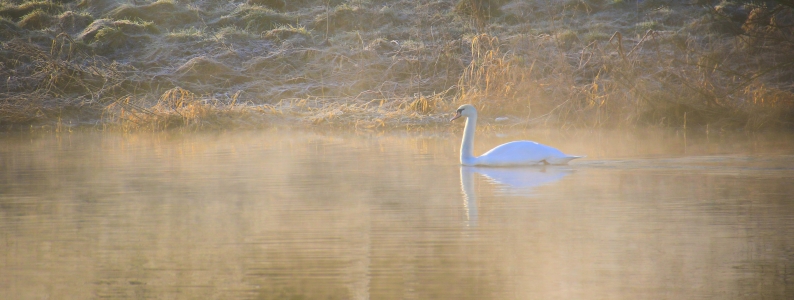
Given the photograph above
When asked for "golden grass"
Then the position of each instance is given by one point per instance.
(366, 64)
(609, 84)
(179, 108)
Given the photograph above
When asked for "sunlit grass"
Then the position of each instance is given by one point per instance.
(377, 64)
(191, 33)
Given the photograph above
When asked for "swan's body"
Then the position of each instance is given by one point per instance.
(517, 153)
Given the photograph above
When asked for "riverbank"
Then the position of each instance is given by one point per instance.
(561, 64)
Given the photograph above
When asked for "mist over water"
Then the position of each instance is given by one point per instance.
(281, 214)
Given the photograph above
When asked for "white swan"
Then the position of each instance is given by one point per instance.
(517, 153)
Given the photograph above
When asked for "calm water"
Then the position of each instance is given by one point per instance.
(311, 215)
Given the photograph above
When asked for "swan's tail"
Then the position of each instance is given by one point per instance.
(562, 160)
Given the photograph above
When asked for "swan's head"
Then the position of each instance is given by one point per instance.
(465, 110)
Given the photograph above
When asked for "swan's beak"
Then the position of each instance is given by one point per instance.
(457, 115)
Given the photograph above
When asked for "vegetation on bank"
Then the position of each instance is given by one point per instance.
(384, 63)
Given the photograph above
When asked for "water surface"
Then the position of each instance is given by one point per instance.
(281, 214)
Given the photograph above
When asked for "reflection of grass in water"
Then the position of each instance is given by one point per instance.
(304, 290)
(767, 274)
(768, 278)
(436, 258)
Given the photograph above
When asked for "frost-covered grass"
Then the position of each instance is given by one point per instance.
(215, 64)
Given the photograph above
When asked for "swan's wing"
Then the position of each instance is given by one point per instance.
(521, 152)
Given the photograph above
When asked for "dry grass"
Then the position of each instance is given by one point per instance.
(179, 108)
(164, 64)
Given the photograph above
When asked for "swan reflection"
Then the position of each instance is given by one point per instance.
(509, 181)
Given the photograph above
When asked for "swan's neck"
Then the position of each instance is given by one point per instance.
(467, 146)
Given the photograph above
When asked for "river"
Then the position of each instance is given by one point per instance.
(291, 214)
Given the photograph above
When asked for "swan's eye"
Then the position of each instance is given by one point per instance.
(460, 110)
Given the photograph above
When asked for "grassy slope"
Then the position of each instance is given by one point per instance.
(153, 65)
